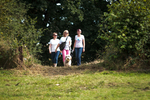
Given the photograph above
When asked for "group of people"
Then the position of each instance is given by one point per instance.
(79, 46)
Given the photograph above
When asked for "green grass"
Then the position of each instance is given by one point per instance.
(108, 85)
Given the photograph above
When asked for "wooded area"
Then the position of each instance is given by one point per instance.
(117, 31)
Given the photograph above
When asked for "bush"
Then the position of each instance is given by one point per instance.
(16, 31)
(8, 57)
(29, 59)
(127, 29)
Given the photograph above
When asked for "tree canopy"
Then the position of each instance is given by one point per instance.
(58, 15)
(120, 25)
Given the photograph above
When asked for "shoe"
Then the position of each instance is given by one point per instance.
(55, 65)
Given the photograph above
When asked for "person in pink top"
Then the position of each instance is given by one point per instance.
(66, 50)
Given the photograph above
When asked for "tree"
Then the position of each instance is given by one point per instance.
(18, 29)
(71, 15)
(127, 29)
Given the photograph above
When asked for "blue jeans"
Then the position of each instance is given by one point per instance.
(55, 56)
(78, 52)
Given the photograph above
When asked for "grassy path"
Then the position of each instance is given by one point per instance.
(90, 83)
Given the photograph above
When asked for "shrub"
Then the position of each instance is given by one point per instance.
(17, 30)
(127, 29)
(29, 59)
(7, 56)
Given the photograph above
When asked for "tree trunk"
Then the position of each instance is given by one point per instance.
(20, 53)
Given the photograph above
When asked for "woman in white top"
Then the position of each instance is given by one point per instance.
(53, 44)
(79, 46)
(66, 50)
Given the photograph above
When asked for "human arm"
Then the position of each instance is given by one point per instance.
(83, 45)
(59, 42)
(74, 45)
(57, 47)
(70, 42)
(50, 48)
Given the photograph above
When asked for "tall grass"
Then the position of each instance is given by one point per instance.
(8, 58)
(116, 60)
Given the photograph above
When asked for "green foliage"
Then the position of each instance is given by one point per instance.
(20, 29)
(28, 58)
(17, 29)
(74, 7)
(70, 15)
(127, 28)
(8, 58)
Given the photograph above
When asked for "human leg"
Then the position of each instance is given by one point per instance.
(64, 55)
(56, 57)
(53, 57)
(79, 55)
(67, 52)
(76, 54)
(57, 54)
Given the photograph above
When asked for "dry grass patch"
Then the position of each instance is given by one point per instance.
(54, 71)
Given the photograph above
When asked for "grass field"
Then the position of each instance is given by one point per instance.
(86, 85)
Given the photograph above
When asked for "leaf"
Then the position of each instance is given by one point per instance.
(122, 47)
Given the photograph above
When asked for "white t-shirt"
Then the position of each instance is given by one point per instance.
(54, 44)
(79, 43)
(63, 39)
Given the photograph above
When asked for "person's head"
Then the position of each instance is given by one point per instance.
(54, 35)
(79, 31)
(65, 33)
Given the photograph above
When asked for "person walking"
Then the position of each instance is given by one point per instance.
(79, 46)
(53, 44)
(66, 50)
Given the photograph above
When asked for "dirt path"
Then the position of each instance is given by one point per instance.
(61, 70)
